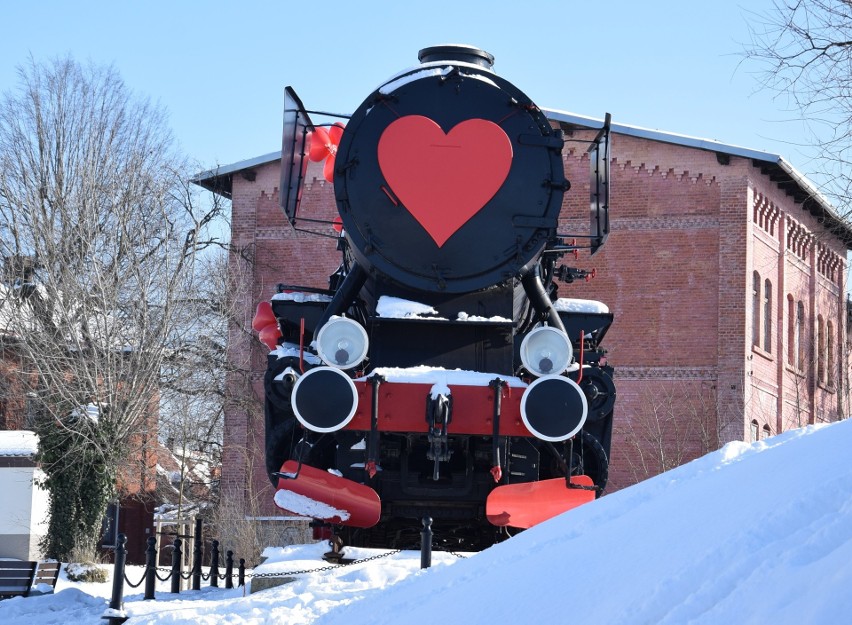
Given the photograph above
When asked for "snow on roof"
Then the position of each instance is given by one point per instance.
(89, 411)
(18, 443)
(172, 513)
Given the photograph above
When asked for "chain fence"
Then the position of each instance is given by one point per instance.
(176, 574)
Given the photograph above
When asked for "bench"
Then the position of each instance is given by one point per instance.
(44, 581)
(16, 577)
(23, 578)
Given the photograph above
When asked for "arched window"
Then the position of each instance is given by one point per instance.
(830, 367)
(791, 331)
(820, 350)
(767, 316)
(755, 431)
(755, 309)
(800, 332)
(766, 431)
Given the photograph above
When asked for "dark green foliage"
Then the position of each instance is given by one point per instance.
(81, 481)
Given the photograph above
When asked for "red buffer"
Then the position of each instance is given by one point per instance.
(325, 496)
(530, 503)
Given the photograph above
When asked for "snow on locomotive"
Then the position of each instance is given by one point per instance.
(439, 375)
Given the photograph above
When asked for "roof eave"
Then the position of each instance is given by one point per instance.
(220, 179)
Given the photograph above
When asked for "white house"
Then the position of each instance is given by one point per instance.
(24, 512)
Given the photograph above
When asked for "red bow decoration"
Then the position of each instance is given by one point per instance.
(266, 325)
(324, 146)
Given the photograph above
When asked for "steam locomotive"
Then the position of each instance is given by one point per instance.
(439, 375)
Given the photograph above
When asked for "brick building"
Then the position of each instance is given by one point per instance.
(725, 269)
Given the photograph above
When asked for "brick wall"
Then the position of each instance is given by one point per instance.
(13, 393)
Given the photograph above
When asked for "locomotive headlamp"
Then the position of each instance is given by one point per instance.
(554, 408)
(324, 399)
(546, 351)
(342, 343)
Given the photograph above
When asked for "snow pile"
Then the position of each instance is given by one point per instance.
(71, 606)
(301, 297)
(18, 443)
(757, 533)
(753, 533)
(568, 304)
(305, 506)
(463, 316)
(291, 350)
(398, 308)
(438, 389)
(423, 374)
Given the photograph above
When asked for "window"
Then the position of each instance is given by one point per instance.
(800, 344)
(766, 431)
(755, 309)
(755, 431)
(829, 357)
(791, 331)
(767, 316)
(820, 350)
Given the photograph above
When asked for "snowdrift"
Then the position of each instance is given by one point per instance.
(754, 533)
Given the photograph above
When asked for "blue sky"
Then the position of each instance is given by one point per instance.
(220, 67)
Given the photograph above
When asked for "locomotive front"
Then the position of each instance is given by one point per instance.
(439, 375)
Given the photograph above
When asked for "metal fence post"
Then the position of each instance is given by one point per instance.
(214, 565)
(241, 580)
(229, 569)
(150, 567)
(176, 554)
(426, 543)
(117, 601)
(196, 557)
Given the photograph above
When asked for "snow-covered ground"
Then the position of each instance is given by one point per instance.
(758, 533)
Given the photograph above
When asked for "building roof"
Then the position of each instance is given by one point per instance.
(779, 171)
(18, 443)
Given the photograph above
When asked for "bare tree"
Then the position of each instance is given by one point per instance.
(675, 423)
(804, 49)
(101, 240)
(193, 390)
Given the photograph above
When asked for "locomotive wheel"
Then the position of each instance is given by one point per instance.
(599, 390)
(592, 460)
(588, 458)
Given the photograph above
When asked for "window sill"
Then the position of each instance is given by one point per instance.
(762, 353)
(827, 388)
(794, 371)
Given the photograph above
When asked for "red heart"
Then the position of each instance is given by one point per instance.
(444, 179)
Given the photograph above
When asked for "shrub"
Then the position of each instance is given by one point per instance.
(86, 572)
